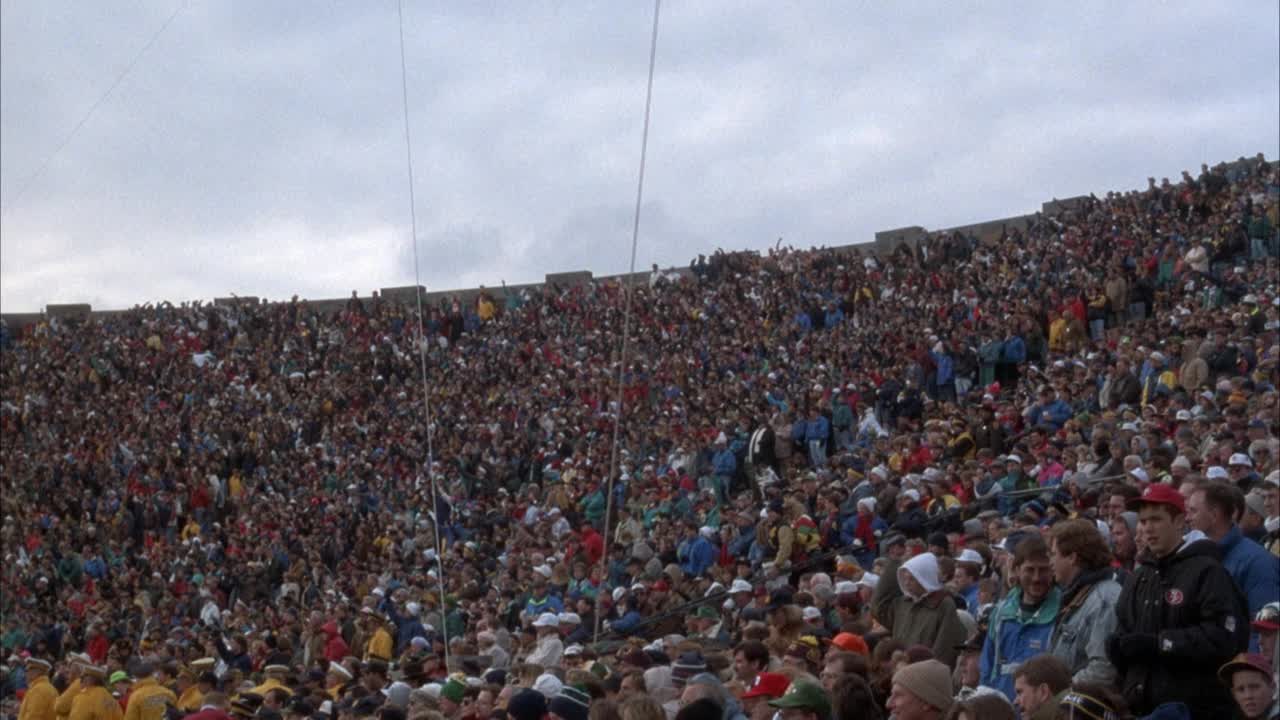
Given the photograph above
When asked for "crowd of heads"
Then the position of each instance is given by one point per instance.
(817, 485)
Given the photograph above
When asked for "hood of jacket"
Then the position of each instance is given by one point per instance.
(924, 568)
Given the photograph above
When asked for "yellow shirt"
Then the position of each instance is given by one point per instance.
(379, 646)
(191, 699)
(63, 707)
(95, 703)
(149, 700)
(39, 701)
(269, 685)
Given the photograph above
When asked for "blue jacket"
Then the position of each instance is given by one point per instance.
(817, 429)
(696, 556)
(946, 368)
(1058, 412)
(1014, 350)
(550, 603)
(724, 463)
(1014, 638)
(626, 623)
(1255, 570)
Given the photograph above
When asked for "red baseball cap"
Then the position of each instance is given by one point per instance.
(1160, 494)
(770, 685)
(851, 643)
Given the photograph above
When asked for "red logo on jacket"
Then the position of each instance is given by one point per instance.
(1173, 596)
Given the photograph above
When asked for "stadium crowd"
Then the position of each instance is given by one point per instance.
(1032, 475)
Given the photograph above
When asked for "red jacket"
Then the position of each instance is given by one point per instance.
(335, 648)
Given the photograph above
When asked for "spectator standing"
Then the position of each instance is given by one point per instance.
(1082, 568)
(1179, 616)
(1023, 623)
(1212, 509)
(911, 602)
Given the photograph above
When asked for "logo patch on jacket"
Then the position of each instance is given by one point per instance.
(1174, 597)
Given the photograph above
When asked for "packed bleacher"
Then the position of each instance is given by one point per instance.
(1031, 475)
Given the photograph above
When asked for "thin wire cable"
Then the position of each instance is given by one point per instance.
(84, 120)
(626, 309)
(419, 338)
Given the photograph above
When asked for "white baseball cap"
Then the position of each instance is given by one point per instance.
(547, 620)
(1240, 459)
(1217, 472)
(740, 586)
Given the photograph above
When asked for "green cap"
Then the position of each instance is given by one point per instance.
(707, 613)
(453, 690)
(117, 676)
(806, 696)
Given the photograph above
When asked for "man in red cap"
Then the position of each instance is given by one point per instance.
(767, 686)
(1180, 615)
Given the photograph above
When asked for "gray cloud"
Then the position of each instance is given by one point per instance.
(258, 147)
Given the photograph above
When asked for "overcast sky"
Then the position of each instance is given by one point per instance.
(258, 147)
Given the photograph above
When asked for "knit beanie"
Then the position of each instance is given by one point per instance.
(929, 680)
(571, 704)
(453, 691)
(685, 667)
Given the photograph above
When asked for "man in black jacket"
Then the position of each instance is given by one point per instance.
(1179, 616)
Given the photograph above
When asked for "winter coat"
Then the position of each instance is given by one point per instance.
(39, 701)
(1256, 571)
(1190, 604)
(931, 621)
(1015, 637)
(1086, 621)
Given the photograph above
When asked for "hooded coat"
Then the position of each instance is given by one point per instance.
(930, 620)
(1190, 605)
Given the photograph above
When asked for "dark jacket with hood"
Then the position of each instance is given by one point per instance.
(1192, 608)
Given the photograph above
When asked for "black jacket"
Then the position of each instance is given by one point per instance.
(1189, 602)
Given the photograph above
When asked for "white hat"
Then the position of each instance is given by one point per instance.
(913, 495)
(969, 555)
(413, 608)
(845, 587)
(638, 587)
(618, 592)
(543, 570)
(869, 503)
(812, 613)
(569, 618)
(1273, 477)
(549, 685)
(1013, 459)
(573, 650)
(880, 471)
(1140, 474)
(1181, 462)
(868, 580)
(706, 531)
(546, 620)
(1217, 472)
(340, 669)
(740, 586)
(1129, 427)
(1183, 415)
(1240, 459)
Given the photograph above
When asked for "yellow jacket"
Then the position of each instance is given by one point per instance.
(95, 703)
(148, 700)
(379, 646)
(63, 707)
(269, 685)
(39, 701)
(191, 699)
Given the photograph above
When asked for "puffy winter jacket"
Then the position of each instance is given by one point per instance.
(1192, 607)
